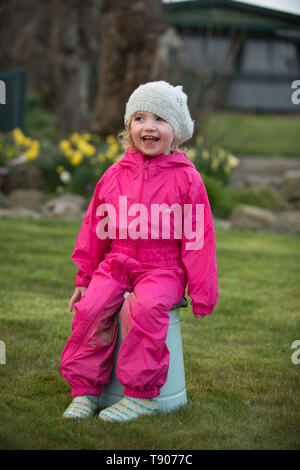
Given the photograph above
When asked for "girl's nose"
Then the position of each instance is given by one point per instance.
(149, 124)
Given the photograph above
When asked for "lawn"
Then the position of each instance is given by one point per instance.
(242, 386)
(245, 134)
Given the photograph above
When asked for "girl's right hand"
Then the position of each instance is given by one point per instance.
(78, 293)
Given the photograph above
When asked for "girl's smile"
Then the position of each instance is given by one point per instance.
(151, 134)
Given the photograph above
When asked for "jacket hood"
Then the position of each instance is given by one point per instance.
(133, 158)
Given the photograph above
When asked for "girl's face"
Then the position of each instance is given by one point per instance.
(150, 134)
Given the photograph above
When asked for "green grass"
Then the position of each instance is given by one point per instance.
(242, 386)
(255, 134)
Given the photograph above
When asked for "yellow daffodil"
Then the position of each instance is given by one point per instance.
(86, 148)
(110, 139)
(27, 142)
(34, 150)
(214, 164)
(17, 131)
(18, 136)
(76, 158)
(31, 153)
(114, 148)
(101, 157)
(75, 137)
(64, 145)
(91, 150)
(205, 154)
(35, 145)
(81, 143)
(68, 152)
(233, 161)
(221, 154)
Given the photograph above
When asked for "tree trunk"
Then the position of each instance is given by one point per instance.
(56, 42)
(130, 31)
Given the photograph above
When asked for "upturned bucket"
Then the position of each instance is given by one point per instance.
(173, 393)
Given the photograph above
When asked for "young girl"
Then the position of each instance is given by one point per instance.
(119, 251)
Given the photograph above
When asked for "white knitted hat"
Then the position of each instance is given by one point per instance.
(167, 102)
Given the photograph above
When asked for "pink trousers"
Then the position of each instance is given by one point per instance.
(143, 359)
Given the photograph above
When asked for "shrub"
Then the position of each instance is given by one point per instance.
(224, 198)
(221, 197)
(212, 161)
(261, 196)
(16, 148)
(83, 158)
(75, 164)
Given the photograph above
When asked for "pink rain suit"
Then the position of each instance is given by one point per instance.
(154, 269)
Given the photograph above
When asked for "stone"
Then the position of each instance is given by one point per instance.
(265, 181)
(289, 221)
(24, 198)
(262, 170)
(246, 217)
(29, 177)
(3, 174)
(222, 224)
(67, 206)
(290, 185)
(19, 213)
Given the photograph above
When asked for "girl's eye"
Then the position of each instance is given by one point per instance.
(138, 118)
(160, 119)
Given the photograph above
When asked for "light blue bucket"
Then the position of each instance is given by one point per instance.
(173, 393)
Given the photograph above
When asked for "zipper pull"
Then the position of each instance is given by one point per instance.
(146, 165)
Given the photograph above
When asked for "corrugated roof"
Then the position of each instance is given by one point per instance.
(226, 13)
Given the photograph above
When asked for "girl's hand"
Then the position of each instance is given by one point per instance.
(78, 293)
(199, 317)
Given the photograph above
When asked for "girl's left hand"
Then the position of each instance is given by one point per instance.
(199, 317)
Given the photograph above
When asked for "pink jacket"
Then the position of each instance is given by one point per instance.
(170, 179)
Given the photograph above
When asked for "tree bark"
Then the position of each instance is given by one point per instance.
(56, 42)
(130, 31)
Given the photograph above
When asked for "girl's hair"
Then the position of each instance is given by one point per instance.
(126, 140)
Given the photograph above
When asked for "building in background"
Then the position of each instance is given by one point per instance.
(249, 54)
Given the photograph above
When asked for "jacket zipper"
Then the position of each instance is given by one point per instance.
(145, 178)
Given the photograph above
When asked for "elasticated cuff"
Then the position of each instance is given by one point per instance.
(141, 394)
(201, 310)
(81, 282)
(77, 392)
